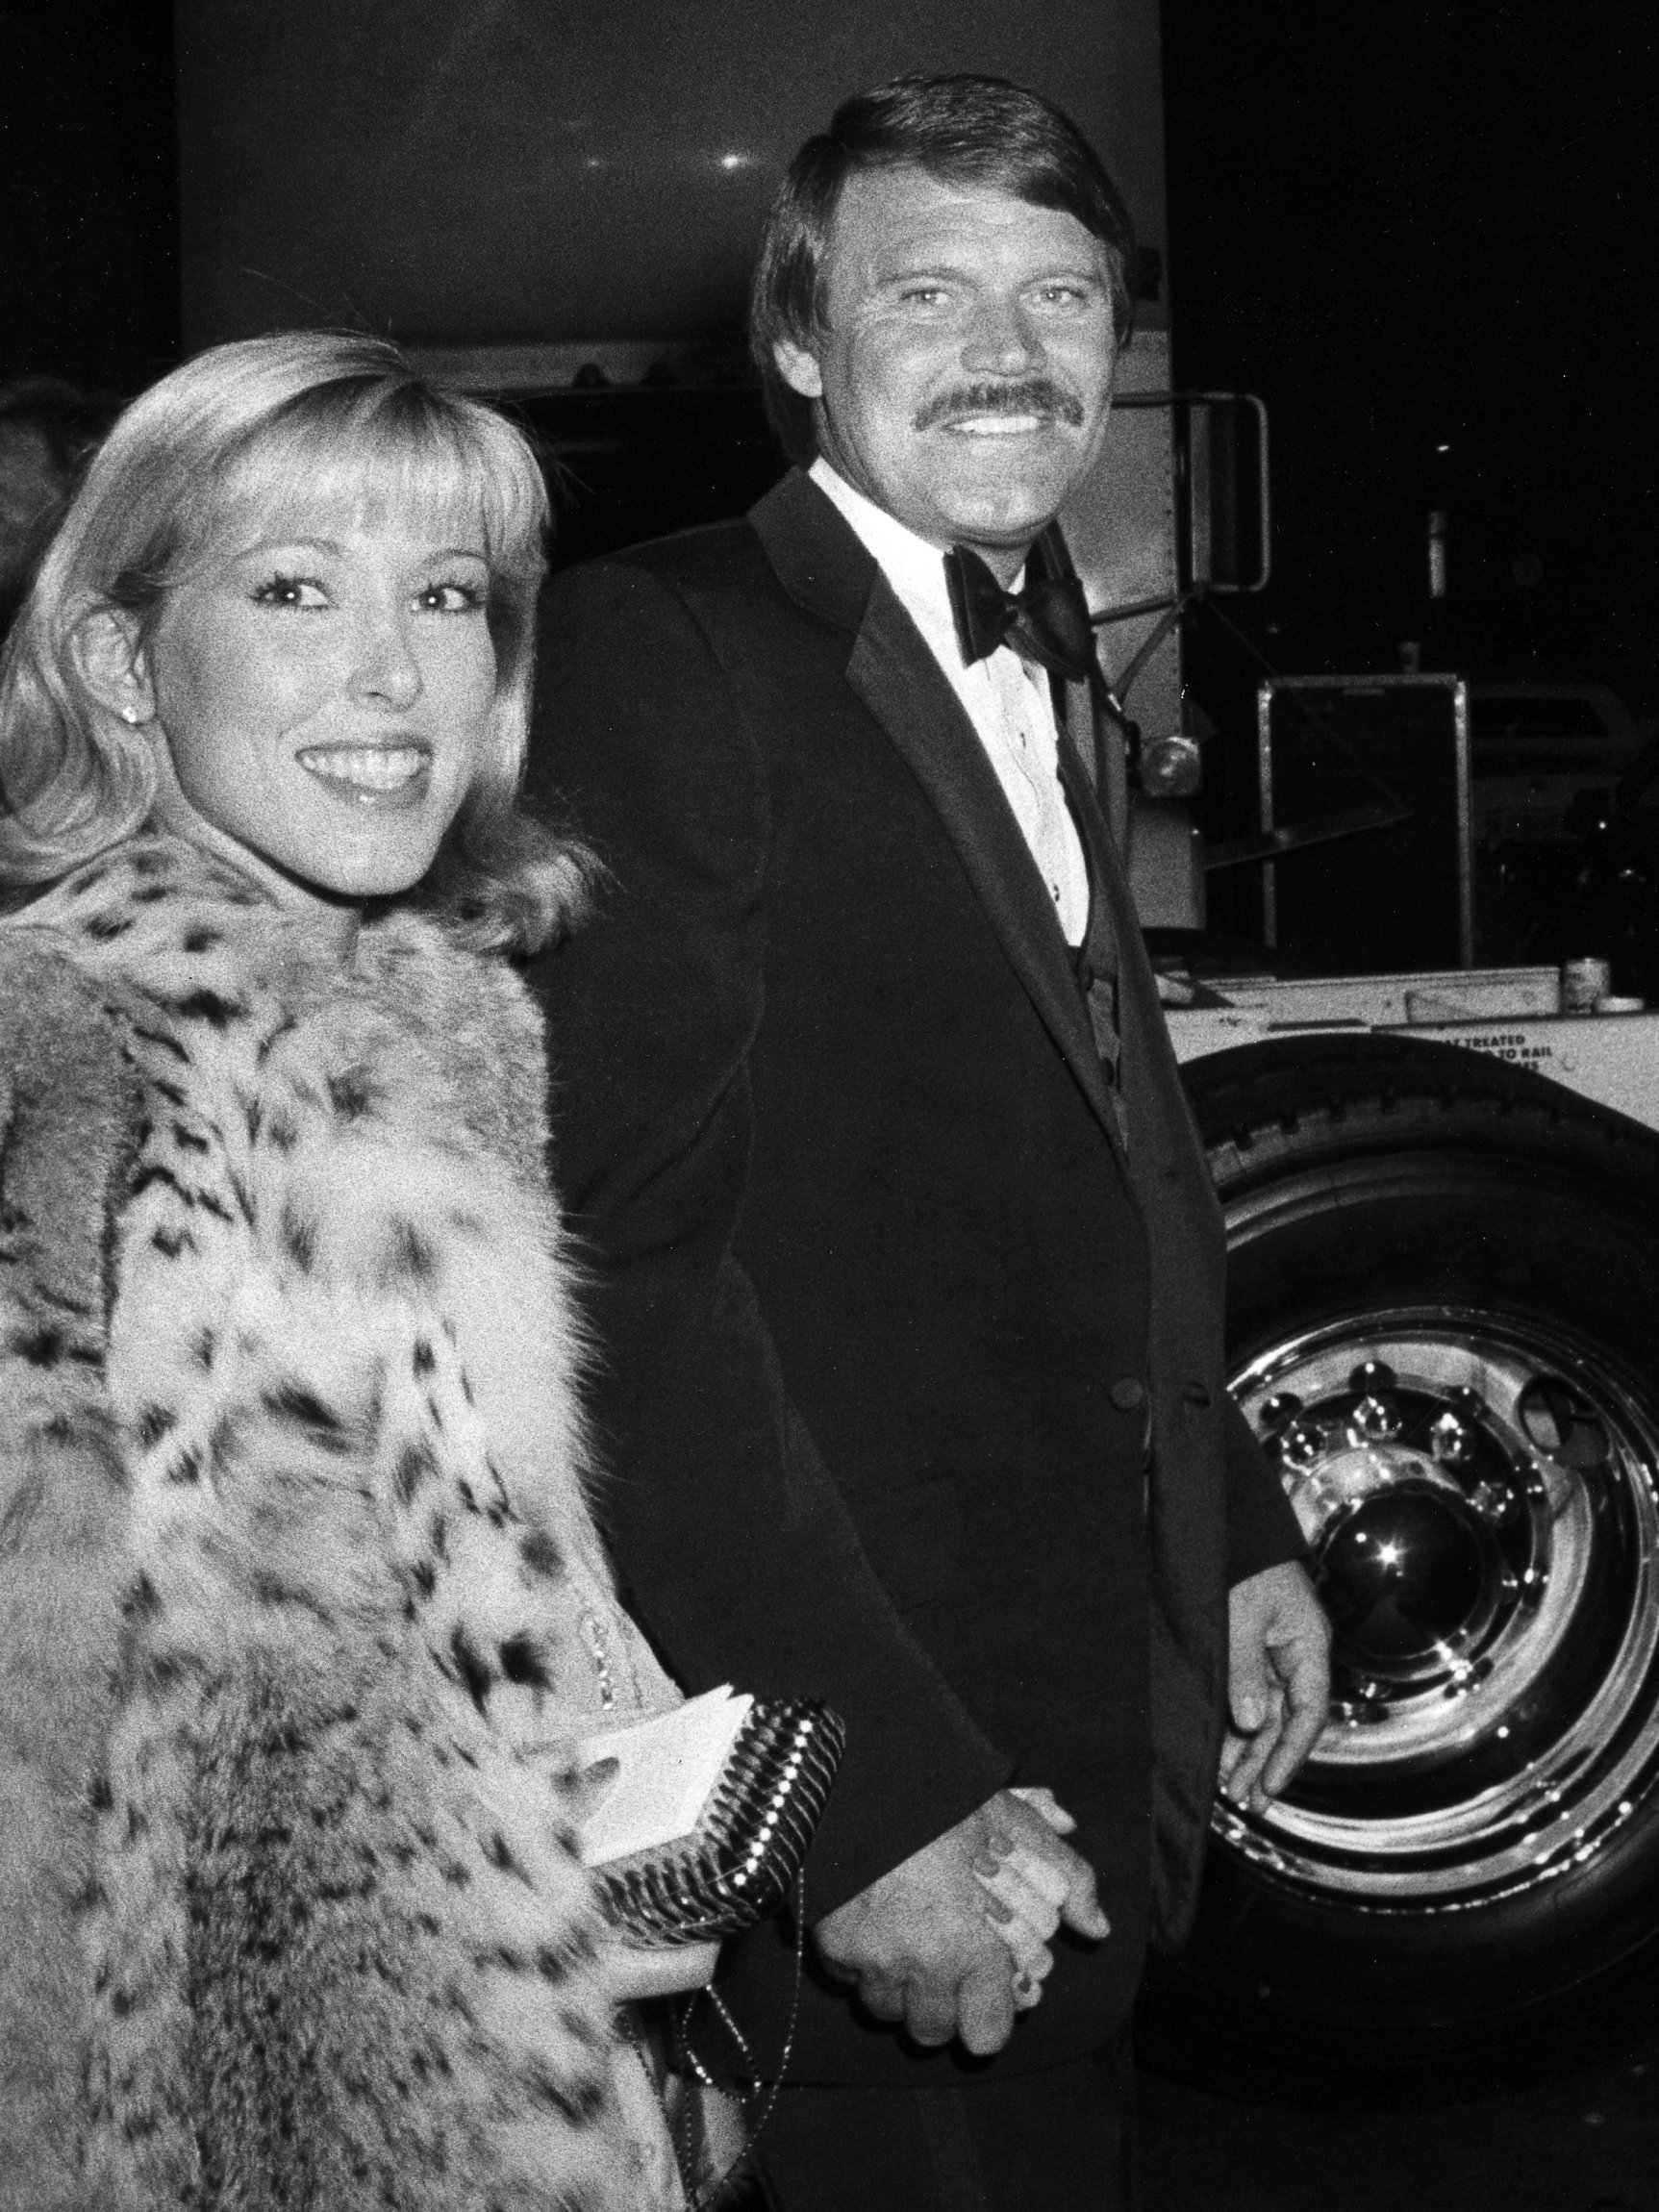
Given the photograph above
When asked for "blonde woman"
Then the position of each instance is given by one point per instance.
(300, 1597)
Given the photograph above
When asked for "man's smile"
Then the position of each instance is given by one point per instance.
(1001, 410)
(998, 425)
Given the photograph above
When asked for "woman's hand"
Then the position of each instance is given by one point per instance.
(635, 1971)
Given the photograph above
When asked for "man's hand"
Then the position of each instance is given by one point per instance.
(922, 1944)
(1278, 1681)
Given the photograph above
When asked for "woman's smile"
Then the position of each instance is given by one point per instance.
(370, 775)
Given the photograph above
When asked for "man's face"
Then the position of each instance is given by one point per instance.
(963, 374)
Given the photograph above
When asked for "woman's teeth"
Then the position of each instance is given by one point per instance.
(372, 768)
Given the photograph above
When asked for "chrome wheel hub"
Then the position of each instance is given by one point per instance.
(1481, 1499)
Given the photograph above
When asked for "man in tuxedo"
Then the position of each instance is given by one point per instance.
(907, 1276)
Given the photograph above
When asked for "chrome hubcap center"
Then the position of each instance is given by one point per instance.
(1408, 1578)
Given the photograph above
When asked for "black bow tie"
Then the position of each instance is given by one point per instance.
(1047, 622)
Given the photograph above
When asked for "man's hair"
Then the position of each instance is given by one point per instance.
(227, 447)
(979, 130)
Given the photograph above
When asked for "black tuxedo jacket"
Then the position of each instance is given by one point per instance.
(887, 1318)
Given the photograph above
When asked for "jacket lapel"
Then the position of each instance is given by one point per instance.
(822, 565)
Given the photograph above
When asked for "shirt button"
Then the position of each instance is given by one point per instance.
(1127, 1394)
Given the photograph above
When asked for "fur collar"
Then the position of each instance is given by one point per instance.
(183, 928)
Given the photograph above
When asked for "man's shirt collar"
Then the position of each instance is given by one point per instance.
(914, 569)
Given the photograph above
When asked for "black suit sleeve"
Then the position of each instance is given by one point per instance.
(1261, 1529)
(731, 1541)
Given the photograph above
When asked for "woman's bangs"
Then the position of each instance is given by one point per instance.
(422, 474)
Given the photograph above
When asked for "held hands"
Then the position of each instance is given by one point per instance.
(1030, 1896)
(940, 1943)
(1278, 1682)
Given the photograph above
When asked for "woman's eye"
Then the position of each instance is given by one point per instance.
(301, 593)
(451, 598)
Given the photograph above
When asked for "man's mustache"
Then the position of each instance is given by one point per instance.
(1033, 395)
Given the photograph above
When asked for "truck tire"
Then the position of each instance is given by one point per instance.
(1444, 1322)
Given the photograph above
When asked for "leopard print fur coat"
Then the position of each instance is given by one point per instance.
(300, 1597)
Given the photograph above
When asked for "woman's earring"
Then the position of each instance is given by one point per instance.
(130, 715)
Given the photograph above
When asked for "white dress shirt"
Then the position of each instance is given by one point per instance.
(1006, 699)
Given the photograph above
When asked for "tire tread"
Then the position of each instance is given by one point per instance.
(1378, 1093)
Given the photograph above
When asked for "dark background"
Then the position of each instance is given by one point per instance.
(1425, 233)
(88, 179)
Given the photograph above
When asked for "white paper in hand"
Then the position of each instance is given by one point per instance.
(666, 1768)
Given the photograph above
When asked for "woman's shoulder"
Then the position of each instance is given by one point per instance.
(136, 907)
(157, 930)
(68, 1103)
(51, 1002)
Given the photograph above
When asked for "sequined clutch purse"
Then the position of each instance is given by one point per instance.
(738, 1859)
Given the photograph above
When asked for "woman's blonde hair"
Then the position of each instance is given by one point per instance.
(264, 424)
